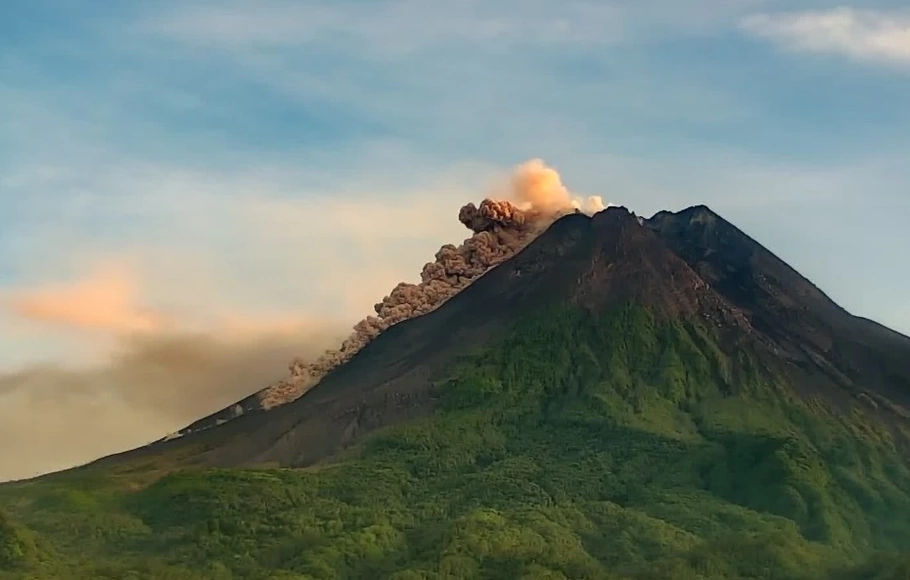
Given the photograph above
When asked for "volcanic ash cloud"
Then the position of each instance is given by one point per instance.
(501, 228)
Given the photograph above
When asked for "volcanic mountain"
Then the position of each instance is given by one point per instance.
(690, 265)
(622, 398)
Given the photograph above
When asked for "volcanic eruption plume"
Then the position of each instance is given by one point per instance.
(500, 229)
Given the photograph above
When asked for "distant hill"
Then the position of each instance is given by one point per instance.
(624, 398)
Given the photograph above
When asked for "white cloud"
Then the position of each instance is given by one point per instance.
(866, 35)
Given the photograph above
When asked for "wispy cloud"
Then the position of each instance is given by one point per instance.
(397, 27)
(105, 301)
(509, 79)
(865, 35)
(202, 243)
(394, 28)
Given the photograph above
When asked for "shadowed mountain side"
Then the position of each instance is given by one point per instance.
(805, 325)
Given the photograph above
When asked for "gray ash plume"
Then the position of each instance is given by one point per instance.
(500, 228)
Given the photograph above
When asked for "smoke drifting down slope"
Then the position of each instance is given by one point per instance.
(501, 228)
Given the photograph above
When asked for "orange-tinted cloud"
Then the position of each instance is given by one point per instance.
(159, 372)
(107, 299)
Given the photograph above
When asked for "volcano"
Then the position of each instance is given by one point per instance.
(623, 398)
(690, 265)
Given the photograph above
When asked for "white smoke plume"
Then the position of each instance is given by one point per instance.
(536, 197)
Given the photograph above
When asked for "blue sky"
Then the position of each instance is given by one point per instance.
(239, 176)
(265, 153)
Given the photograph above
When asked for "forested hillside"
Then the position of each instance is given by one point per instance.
(618, 446)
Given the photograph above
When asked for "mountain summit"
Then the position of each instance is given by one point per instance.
(612, 397)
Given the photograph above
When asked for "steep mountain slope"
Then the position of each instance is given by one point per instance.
(806, 327)
(623, 399)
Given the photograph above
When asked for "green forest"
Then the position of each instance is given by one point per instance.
(610, 447)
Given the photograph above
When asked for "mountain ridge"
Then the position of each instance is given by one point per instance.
(804, 322)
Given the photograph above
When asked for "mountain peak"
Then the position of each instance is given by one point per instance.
(614, 212)
(696, 213)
